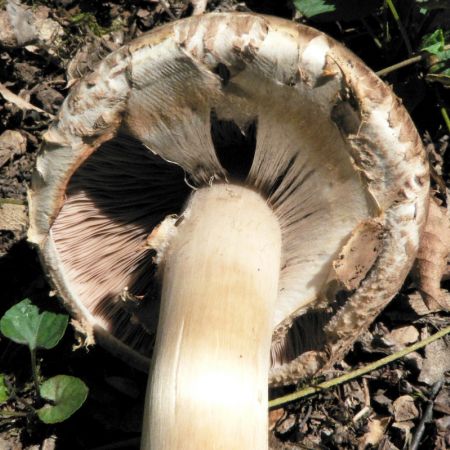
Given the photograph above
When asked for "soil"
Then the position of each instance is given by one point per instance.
(383, 409)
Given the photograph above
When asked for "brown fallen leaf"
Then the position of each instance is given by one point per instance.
(431, 262)
(275, 416)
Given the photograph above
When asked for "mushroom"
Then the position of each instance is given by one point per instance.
(227, 167)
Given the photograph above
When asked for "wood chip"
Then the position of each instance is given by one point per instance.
(403, 336)
(405, 409)
(436, 362)
(442, 401)
(13, 217)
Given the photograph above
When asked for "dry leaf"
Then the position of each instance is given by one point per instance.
(287, 423)
(431, 262)
(359, 254)
(375, 432)
(274, 416)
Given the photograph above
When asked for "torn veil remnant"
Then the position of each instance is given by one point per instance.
(254, 154)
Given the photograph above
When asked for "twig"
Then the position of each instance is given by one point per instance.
(365, 411)
(407, 62)
(305, 418)
(405, 37)
(166, 6)
(427, 416)
(358, 372)
(401, 64)
(19, 101)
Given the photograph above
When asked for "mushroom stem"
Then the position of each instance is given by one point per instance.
(208, 388)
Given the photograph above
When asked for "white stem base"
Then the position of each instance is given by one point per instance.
(208, 388)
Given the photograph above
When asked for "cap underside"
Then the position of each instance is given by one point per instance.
(253, 104)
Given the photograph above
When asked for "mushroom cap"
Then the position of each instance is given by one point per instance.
(224, 97)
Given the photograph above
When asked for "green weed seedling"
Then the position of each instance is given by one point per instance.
(62, 394)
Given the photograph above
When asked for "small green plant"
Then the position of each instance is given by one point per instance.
(437, 46)
(60, 395)
(88, 20)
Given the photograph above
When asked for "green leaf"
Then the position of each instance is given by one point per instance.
(25, 325)
(434, 43)
(439, 59)
(311, 8)
(51, 329)
(66, 395)
(4, 392)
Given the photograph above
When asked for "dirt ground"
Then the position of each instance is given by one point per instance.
(405, 404)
